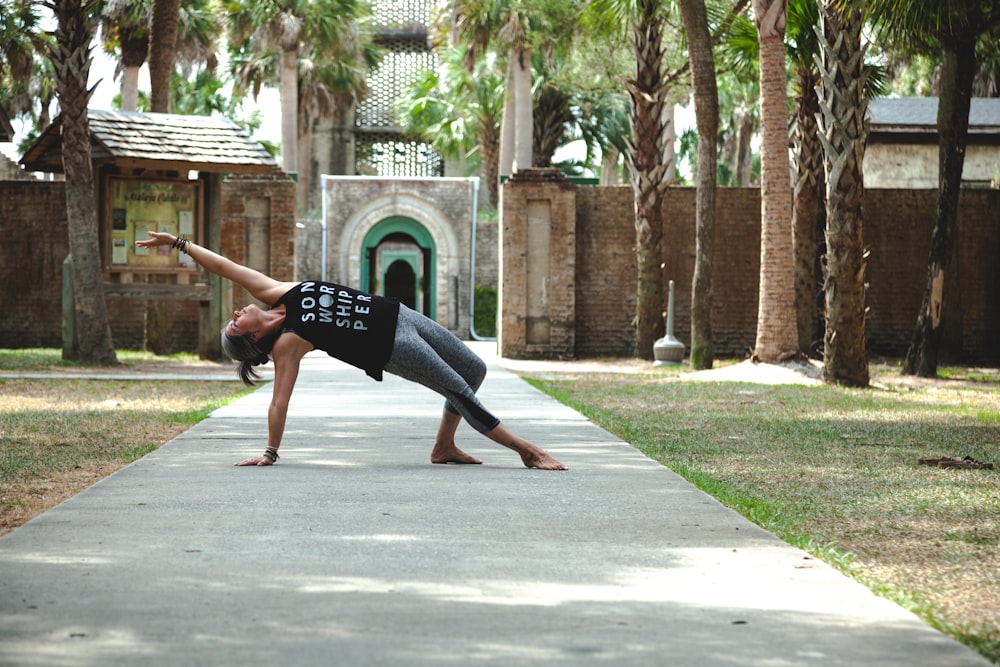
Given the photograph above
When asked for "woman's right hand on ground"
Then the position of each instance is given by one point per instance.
(255, 461)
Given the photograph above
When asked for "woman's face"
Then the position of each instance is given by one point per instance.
(247, 320)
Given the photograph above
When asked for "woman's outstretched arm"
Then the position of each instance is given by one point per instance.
(263, 287)
(288, 352)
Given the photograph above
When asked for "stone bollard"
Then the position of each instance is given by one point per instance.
(668, 351)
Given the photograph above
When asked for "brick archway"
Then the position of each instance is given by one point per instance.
(401, 239)
(438, 211)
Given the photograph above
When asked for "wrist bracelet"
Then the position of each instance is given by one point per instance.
(271, 455)
(180, 244)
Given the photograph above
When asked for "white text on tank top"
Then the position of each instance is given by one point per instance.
(330, 305)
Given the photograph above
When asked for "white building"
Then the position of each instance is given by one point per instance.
(902, 147)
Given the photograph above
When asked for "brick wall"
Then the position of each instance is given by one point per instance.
(898, 226)
(606, 271)
(258, 229)
(33, 246)
(34, 243)
(538, 266)
(897, 234)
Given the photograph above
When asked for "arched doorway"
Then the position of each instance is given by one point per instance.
(398, 259)
(401, 282)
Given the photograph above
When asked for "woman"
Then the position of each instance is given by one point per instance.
(364, 330)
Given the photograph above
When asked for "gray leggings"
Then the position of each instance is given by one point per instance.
(428, 354)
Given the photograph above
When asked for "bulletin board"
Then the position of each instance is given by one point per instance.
(139, 206)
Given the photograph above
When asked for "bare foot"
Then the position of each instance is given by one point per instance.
(449, 453)
(541, 460)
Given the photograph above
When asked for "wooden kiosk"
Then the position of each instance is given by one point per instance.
(161, 172)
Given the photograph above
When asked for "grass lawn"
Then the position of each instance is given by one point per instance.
(835, 471)
(59, 436)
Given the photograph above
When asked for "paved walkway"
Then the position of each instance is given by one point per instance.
(354, 550)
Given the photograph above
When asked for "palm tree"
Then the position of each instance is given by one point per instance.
(706, 104)
(162, 52)
(952, 28)
(19, 44)
(70, 56)
(645, 22)
(807, 151)
(602, 124)
(844, 133)
(268, 38)
(125, 32)
(777, 337)
(484, 24)
(332, 80)
(552, 118)
(459, 114)
(739, 95)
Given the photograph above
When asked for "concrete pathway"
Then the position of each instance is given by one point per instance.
(354, 550)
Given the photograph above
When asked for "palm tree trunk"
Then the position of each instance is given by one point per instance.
(130, 89)
(777, 336)
(647, 172)
(807, 210)
(845, 131)
(523, 109)
(71, 59)
(288, 94)
(706, 106)
(489, 151)
(508, 124)
(162, 51)
(958, 68)
(550, 118)
(609, 166)
(744, 157)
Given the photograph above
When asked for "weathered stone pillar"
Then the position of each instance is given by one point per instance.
(537, 266)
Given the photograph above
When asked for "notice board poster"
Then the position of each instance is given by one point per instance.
(138, 207)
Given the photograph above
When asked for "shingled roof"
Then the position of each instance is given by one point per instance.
(157, 141)
(918, 116)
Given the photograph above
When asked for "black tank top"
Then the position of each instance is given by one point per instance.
(352, 326)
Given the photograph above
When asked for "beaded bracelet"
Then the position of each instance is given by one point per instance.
(180, 244)
(271, 455)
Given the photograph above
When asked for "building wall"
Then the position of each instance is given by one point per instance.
(606, 274)
(916, 166)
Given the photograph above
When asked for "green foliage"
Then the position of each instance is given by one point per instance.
(485, 316)
(450, 108)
